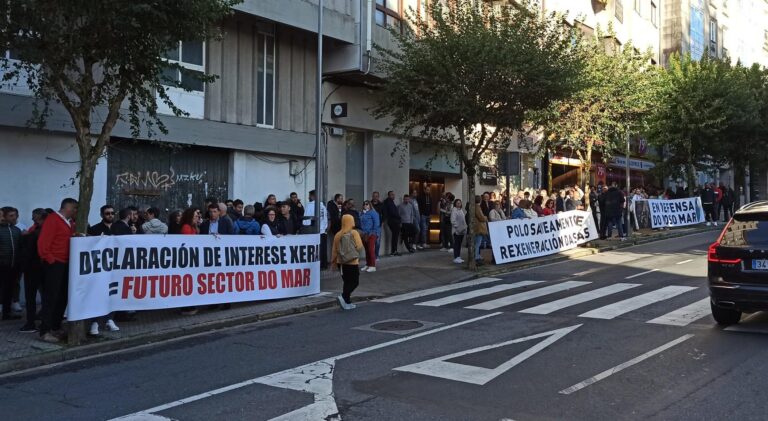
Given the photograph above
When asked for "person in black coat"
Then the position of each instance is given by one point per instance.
(614, 209)
(123, 226)
(392, 217)
(335, 207)
(215, 224)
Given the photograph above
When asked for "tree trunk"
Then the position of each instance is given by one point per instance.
(585, 180)
(471, 171)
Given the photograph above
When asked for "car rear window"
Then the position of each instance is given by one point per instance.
(747, 230)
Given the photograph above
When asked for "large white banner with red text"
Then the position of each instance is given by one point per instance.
(147, 272)
(520, 239)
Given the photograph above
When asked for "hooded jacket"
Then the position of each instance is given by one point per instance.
(370, 223)
(347, 226)
(247, 225)
(480, 227)
(154, 226)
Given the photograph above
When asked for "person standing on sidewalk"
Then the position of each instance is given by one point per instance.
(335, 207)
(153, 224)
(480, 229)
(614, 208)
(446, 237)
(392, 216)
(308, 223)
(105, 226)
(190, 223)
(10, 258)
(425, 212)
(371, 227)
(708, 203)
(345, 256)
(378, 206)
(408, 215)
(458, 229)
(53, 247)
(416, 220)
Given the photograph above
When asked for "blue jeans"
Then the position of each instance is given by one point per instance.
(479, 239)
(423, 229)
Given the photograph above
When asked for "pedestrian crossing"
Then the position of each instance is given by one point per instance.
(494, 294)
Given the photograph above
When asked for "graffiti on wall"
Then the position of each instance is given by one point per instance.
(156, 181)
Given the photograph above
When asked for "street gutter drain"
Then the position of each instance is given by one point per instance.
(398, 326)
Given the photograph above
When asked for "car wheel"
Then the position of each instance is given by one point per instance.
(725, 316)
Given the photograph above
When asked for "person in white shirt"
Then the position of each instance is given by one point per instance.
(308, 223)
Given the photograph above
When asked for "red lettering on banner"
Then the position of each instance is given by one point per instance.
(249, 284)
(287, 277)
(187, 286)
(307, 277)
(126, 286)
(201, 284)
(176, 285)
(262, 281)
(272, 279)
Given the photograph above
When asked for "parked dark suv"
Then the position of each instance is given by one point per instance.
(738, 265)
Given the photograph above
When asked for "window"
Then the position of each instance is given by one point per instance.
(654, 14)
(619, 11)
(713, 30)
(265, 83)
(637, 6)
(190, 55)
(355, 166)
(388, 13)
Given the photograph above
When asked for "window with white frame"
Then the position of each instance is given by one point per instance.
(190, 55)
(265, 79)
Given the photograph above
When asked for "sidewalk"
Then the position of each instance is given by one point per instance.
(395, 275)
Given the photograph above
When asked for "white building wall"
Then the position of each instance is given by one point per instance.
(39, 170)
(255, 176)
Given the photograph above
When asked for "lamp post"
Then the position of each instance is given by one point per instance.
(629, 217)
(319, 193)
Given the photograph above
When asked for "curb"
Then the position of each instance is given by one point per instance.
(71, 353)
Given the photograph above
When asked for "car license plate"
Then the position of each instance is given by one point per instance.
(760, 264)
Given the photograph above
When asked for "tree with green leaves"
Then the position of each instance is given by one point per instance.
(614, 103)
(102, 61)
(465, 77)
(700, 106)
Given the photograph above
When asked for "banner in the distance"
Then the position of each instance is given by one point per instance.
(676, 212)
(147, 272)
(520, 239)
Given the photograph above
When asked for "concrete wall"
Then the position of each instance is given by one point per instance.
(38, 169)
(254, 176)
(339, 15)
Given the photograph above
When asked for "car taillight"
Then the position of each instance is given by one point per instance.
(712, 251)
(712, 256)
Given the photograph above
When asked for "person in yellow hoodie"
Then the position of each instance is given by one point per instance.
(344, 255)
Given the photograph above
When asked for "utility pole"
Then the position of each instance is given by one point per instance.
(319, 193)
(629, 217)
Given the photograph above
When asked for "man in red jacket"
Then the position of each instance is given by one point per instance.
(53, 247)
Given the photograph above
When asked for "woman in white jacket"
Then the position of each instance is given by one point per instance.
(496, 213)
(458, 229)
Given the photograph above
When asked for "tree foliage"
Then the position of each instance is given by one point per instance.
(614, 102)
(102, 61)
(706, 112)
(465, 77)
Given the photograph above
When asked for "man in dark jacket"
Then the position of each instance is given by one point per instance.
(708, 203)
(10, 258)
(726, 202)
(349, 209)
(560, 202)
(614, 209)
(392, 216)
(216, 224)
(105, 226)
(32, 267)
(593, 204)
(334, 214)
(123, 226)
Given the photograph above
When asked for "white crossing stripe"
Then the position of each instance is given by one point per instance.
(641, 273)
(685, 315)
(553, 306)
(436, 290)
(684, 262)
(476, 293)
(616, 309)
(523, 296)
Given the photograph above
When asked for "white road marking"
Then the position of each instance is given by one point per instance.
(444, 369)
(685, 315)
(436, 290)
(622, 366)
(553, 306)
(523, 296)
(476, 293)
(144, 417)
(616, 309)
(684, 262)
(314, 378)
(642, 273)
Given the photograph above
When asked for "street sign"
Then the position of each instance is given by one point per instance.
(509, 163)
(488, 176)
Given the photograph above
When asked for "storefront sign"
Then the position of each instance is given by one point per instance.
(521, 239)
(148, 272)
(488, 176)
(634, 164)
(563, 160)
(675, 213)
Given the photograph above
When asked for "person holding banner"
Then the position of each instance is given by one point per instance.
(347, 245)
(458, 229)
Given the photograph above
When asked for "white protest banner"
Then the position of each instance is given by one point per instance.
(520, 239)
(146, 272)
(676, 212)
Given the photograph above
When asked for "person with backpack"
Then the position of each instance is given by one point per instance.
(345, 255)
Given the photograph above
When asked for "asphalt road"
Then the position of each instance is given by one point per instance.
(619, 335)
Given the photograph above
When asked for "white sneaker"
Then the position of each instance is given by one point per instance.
(343, 304)
(424, 246)
(112, 326)
(709, 224)
(443, 249)
(458, 260)
(419, 247)
(94, 329)
(715, 223)
(16, 307)
(372, 269)
(351, 306)
(363, 269)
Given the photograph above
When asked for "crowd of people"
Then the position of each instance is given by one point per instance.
(40, 252)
